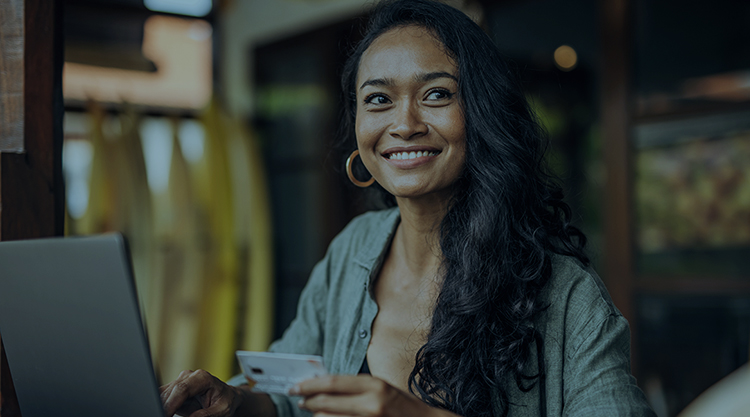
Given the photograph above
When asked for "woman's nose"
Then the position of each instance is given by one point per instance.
(407, 122)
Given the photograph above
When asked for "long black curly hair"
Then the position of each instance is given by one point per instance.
(506, 221)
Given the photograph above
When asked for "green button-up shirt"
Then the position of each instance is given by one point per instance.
(586, 341)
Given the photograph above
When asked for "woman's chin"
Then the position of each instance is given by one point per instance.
(420, 193)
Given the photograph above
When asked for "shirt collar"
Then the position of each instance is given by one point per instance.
(374, 251)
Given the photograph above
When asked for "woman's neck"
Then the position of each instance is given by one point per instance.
(417, 239)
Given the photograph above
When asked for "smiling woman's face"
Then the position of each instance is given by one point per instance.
(409, 125)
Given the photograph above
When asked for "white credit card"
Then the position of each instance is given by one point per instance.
(277, 373)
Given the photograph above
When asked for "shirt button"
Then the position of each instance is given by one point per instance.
(362, 333)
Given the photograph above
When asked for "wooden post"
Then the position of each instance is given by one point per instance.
(619, 243)
(618, 224)
(31, 185)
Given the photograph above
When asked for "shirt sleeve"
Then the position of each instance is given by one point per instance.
(306, 332)
(597, 374)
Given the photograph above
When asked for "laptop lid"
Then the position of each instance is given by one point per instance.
(72, 330)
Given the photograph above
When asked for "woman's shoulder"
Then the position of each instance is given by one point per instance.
(577, 300)
(572, 283)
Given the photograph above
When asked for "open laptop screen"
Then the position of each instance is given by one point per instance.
(72, 330)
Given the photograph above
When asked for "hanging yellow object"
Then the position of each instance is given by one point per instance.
(254, 234)
(137, 223)
(99, 213)
(218, 311)
(238, 299)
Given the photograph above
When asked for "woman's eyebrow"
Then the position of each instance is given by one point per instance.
(423, 78)
(378, 82)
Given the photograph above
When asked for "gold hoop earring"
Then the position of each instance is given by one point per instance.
(355, 181)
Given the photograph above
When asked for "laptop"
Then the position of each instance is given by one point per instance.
(72, 329)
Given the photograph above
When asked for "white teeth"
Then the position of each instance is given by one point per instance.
(411, 155)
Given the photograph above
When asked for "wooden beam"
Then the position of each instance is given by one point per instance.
(11, 81)
(32, 198)
(615, 22)
(31, 185)
(692, 286)
(618, 224)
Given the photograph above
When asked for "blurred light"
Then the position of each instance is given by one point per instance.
(184, 7)
(192, 138)
(200, 30)
(565, 58)
(728, 86)
(156, 136)
(77, 157)
(181, 50)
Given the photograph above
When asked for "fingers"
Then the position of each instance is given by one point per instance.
(217, 410)
(360, 405)
(189, 384)
(337, 384)
(166, 389)
(339, 395)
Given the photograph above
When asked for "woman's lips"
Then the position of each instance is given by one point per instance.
(406, 158)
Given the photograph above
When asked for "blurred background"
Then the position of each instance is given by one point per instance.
(201, 130)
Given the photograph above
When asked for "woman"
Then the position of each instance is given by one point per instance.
(472, 297)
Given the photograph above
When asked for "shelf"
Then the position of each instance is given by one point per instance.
(696, 110)
(691, 286)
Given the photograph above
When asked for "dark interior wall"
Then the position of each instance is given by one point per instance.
(679, 39)
(533, 29)
(528, 33)
(298, 85)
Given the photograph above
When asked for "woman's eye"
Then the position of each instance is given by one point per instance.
(439, 94)
(376, 99)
